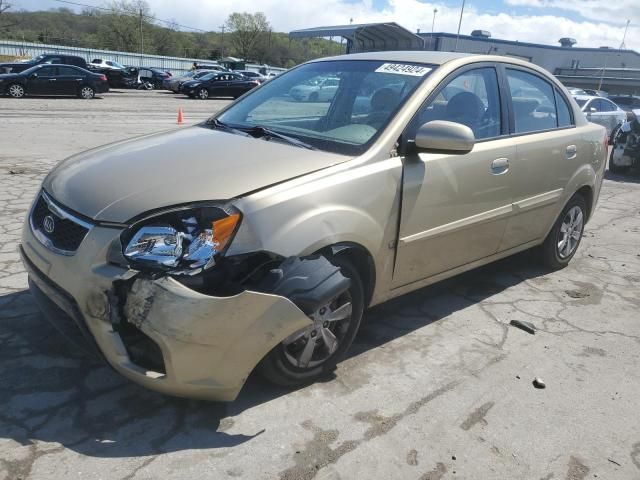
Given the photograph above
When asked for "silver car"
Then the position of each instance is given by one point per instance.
(602, 111)
(284, 221)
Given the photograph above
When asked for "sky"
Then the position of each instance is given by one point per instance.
(593, 23)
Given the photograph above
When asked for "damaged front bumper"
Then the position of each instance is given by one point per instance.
(208, 344)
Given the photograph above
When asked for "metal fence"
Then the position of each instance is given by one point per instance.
(14, 48)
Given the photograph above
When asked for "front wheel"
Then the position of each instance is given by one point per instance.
(16, 90)
(87, 92)
(311, 353)
(202, 94)
(562, 242)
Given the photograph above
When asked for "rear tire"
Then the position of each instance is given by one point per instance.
(277, 366)
(86, 92)
(564, 238)
(15, 90)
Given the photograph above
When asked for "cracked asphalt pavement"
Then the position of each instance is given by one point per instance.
(438, 385)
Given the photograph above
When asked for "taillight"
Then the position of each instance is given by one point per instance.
(103, 78)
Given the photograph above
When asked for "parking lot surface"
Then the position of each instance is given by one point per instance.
(438, 385)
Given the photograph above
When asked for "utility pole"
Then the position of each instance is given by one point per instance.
(459, 25)
(222, 27)
(433, 24)
(141, 34)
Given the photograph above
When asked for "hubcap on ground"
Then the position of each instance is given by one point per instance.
(570, 232)
(313, 345)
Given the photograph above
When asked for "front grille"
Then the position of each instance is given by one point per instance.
(56, 228)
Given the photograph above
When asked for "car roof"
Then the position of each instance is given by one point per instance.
(417, 56)
(585, 97)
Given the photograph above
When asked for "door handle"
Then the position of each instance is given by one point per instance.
(52, 79)
(571, 152)
(499, 166)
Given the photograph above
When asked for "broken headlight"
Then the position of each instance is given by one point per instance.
(183, 241)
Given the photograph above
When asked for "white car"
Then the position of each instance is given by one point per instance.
(100, 63)
(602, 111)
(317, 90)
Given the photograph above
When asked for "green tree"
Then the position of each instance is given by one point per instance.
(246, 29)
(5, 21)
(126, 25)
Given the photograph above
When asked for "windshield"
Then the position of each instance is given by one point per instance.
(206, 76)
(36, 59)
(31, 70)
(339, 106)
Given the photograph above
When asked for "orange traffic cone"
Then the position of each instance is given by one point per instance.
(180, 117)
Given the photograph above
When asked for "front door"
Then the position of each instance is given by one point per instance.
(42, 81)
(455, 206)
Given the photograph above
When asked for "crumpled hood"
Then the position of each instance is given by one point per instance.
(120, 181)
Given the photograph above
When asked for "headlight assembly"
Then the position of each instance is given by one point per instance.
(183, 241)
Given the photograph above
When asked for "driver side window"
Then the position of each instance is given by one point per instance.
(472, 99)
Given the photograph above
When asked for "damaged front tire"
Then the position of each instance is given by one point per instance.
(312, 353)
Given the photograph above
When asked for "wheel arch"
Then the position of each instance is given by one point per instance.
(361, 259)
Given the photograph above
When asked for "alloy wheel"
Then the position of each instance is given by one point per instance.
(16, 91)
(570, 232)
(203, 94)
(86, 92)
(315, 344)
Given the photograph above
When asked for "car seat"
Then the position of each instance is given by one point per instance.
(383, 102)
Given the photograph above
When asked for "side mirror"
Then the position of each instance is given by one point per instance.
(592, 109)
(34, 75)
(443, 136)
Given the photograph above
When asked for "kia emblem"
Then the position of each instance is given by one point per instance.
(49, 224)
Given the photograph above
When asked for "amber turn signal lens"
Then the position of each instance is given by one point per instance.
(223, 230)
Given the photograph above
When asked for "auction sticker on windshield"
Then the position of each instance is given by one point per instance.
(403, 69)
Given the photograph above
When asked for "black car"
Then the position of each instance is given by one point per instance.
(53, 80)
(628, 103)
(50, 58)
(218, 85)
(154, 76)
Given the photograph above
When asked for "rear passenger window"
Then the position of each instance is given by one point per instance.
(564, 113)
(68, 71)
(533, 101)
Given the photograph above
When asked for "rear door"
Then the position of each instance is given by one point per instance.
(548, 149)
(455, 206)
(69, 80)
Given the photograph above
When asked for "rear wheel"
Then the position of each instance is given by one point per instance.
(86, 92)
(202, 94)
(313, 97)
(311, 353)
(562, 242)
(16, 90)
